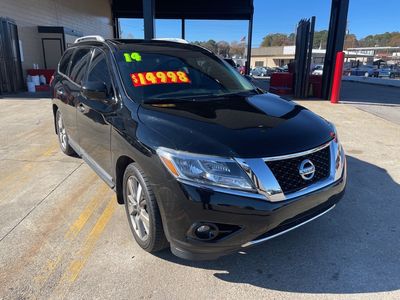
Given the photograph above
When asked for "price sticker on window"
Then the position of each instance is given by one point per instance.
(132, 56)
(160, 77)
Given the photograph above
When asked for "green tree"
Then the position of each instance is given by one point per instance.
(320, 38)
(350, 41)
(210, 45)
(382, 40)
(277, 39)
(223, 48)
(237, 49)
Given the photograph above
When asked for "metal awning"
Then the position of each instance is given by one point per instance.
(184, 10)
(191, 9)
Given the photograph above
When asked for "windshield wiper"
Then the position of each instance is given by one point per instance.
(198, 97)
(169, 99)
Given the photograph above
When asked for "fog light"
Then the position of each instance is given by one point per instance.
(206, 232)
(203, 228)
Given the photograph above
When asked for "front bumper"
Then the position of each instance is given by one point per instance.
(243, 219)
(257, 220)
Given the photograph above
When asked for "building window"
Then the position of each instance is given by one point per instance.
(259, 63)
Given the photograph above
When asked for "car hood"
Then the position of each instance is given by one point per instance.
(256, 126)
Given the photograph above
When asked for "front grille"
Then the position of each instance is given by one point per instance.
(287, 174)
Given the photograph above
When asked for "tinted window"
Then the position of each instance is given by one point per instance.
(63, 66)
(79, 64)
(162, 71)
(98, 70)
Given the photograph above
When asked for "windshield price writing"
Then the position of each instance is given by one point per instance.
(160, 77)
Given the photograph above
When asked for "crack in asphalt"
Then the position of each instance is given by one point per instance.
(41, 201)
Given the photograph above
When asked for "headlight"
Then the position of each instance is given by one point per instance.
(334, 133)
(209, 170)
(340, 157)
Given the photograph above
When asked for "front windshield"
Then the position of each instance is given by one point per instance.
(161, 71)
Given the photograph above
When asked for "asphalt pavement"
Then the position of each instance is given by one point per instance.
(63, 235)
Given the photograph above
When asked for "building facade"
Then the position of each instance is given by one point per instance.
(279, 56)
(47, 27)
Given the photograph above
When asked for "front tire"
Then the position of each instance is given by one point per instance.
(142, 210)
(63, 136)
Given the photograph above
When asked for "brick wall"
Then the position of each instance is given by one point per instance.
(86, 16)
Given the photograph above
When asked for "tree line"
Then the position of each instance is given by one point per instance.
(224, 48)
(320, 38)
(238, 49)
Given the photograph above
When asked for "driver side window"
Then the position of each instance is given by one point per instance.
(98, 70)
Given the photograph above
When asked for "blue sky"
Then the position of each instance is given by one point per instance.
(271, 16)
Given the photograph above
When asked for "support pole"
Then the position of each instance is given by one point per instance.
(309, 57)
(183, 29)
(116, 28)
(335, 42)
(249, 41)
(148, 18)
(337, 78)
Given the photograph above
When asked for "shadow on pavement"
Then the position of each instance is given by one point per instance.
(353, 249)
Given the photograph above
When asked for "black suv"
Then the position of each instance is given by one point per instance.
(204, 162)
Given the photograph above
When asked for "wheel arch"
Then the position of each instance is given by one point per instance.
(55, 108)
(122, 162)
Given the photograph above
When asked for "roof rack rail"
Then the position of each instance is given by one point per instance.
(176, 40)
(95, 38)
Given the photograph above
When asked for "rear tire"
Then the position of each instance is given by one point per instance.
(142, 210)
(63, 136)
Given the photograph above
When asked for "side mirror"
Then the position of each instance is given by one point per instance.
(95, 90)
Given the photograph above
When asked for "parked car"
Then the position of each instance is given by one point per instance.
(259, 71)
(367, 71)
(317, 70)
(394, 72)
(384, 72)
(279, 70)
(204, 163)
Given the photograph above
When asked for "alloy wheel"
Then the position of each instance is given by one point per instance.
(62, 134)
(137, 208)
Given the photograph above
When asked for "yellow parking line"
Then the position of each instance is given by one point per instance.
(80, 222)
(72, 232)
(76, 266)
(52, 149)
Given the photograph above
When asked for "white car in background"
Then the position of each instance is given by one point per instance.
(317, 70)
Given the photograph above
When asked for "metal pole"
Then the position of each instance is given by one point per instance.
(249, 41)
(309, 56)
(183, 29)
(336, 35)
(337, 78)
(116, 28)
(148, 18)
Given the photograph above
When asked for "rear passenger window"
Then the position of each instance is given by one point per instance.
(79, 64)
(63, 66)
(98, 70)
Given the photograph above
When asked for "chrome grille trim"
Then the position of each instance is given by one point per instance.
(287, 156)
(255, 242)
(267, 184)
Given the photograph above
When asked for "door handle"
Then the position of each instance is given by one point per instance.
(81, 107)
